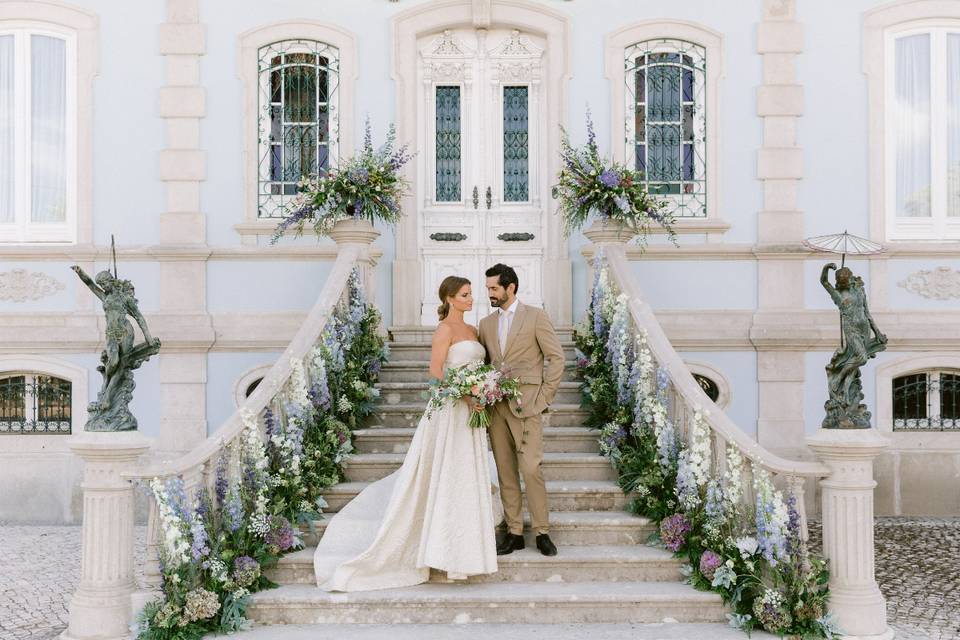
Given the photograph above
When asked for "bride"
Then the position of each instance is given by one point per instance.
(438, 510)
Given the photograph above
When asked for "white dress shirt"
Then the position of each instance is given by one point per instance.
(503, 323)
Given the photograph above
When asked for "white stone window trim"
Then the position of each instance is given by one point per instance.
(78, 28)
(880, 26)
(725, 397)
(712, 41)
(76, 375)
(248, 378)
(912, 440)
(249, 45)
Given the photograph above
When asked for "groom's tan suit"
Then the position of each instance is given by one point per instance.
(516, 429)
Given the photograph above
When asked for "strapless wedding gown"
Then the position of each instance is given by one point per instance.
(437, 510)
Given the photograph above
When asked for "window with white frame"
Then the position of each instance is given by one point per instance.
(926, 401)
(298, 118)
(34, 403)
(37, 134)
(665, 115)
(923, 129)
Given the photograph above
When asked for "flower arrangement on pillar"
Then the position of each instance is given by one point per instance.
(754, 555)
(217, 545)
(368, 187)
(611, 193)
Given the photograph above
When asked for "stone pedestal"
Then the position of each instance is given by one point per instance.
(604, 231)
(359, 233)
(100, 608)
(847, 514)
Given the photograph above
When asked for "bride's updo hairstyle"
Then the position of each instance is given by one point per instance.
(449, 288)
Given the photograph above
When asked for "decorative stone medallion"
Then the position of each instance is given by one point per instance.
(20, 285)
(942, 283)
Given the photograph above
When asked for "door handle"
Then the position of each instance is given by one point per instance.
(476, 197)
(489, 197)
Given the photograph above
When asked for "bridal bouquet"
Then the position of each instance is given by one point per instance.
(482, 383)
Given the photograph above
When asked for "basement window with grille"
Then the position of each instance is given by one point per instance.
(34, 403)
(927, 401)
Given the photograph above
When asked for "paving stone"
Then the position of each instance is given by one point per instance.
(918, 568)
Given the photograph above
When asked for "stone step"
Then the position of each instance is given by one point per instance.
(619, 563)
(367, 467)
(567, 528)
(562, 495)
(397, 440)
(412, 392)
(408, 415)
(420, 351)
(419, 371)
(669, 629)
(512, 602)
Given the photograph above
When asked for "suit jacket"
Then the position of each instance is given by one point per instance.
(530, 341)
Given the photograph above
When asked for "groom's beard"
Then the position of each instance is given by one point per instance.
(498, 302)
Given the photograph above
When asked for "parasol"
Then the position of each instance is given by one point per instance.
(843, 243)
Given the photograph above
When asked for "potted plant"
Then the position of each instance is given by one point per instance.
(366, 187)
(612, 194)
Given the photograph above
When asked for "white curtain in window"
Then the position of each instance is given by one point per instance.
(911, 113)
(953, 125)
(48, 119)
(7, 176)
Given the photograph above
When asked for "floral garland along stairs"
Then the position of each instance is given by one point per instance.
(238, 549)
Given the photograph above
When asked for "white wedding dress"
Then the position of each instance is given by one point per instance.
(437, 510)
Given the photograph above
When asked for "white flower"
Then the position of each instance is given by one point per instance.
(734, 476)
(747, 545)
(297, 384)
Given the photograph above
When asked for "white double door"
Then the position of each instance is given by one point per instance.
(481, 186)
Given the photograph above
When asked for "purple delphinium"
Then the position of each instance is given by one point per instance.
(270, 422)
(177, 499)
(610, 179)
(233, 512)
(793, 525)
(770, 537)
(709, 563)
(591, 133)
(220, 485)
(199, 546)
(714, 507)
(280, 534)
(674, 530)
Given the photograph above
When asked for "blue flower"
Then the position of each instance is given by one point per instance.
(610, 178)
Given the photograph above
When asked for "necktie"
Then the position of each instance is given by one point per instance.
(504, 329)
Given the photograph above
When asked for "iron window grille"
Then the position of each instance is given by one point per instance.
(32, 403)
(709, 386)
(927, 401)
(298, 119)
(666, 121)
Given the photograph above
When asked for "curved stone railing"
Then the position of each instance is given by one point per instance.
(197, 467)
(686, 394)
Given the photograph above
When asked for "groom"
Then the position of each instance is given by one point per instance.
(517, 339)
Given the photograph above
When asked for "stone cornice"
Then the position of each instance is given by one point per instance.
(169, 252)
(697, 330)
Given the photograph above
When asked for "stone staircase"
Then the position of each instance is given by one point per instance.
(604, 573)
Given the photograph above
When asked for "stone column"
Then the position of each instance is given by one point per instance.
(182, 248)
(780, 374)
(847, 515)
(100, 608)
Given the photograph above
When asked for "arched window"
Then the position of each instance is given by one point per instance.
(666, 120)
(34, 403)
(252, 387)
(926, 401)
(709, 386)
(298, 127)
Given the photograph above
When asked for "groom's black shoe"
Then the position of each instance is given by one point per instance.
(510, 543)
(546, 546)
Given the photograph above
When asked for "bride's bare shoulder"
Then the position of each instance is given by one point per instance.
(442, 334)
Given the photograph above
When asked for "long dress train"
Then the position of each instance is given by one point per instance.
(437, 510)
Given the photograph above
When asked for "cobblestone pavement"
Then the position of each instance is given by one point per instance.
(918, 567)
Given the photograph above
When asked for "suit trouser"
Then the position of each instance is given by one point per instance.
(515, 458)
